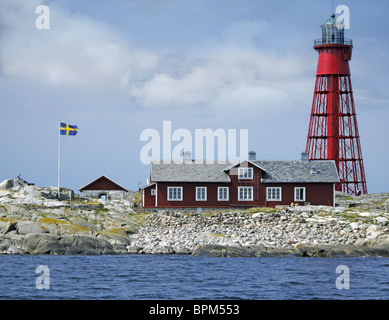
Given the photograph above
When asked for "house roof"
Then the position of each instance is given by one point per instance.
(189, 172)
(255, 163)
(147, 185)
(323, 171)
(103, 183)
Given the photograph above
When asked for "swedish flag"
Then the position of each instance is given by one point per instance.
(67, 129)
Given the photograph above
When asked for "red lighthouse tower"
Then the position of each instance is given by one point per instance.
(333, 130)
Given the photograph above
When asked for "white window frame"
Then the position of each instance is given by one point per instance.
(153, 192)
(245, 199)
(304, 194)
(175, 199)
(227, 194)
(197, 194)
(245, 173)
(272, 197)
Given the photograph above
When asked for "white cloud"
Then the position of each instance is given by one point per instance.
(228, 75)
(76, 51)
(222, 73)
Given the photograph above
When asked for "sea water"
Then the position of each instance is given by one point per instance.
(161, 277)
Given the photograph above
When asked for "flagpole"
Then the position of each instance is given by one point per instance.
(59, 157)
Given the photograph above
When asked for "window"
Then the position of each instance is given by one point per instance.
(174, 193)
(201, 193)
(245, 193)
(153, 192)
(299, 194)
(245, 173)
(273, 194)
(222, 194)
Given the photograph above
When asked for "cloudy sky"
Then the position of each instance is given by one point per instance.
(117, 68)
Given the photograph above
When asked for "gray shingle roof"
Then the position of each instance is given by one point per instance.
(193, 172)
(296, 171)
(275, 172)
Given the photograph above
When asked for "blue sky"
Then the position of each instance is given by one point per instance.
(116, 68)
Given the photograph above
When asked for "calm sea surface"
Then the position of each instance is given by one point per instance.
(186, 277)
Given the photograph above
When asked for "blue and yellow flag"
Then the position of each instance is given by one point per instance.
(67, 129)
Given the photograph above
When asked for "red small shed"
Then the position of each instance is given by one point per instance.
(104, 188)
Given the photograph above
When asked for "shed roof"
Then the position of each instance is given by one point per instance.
(103, 183)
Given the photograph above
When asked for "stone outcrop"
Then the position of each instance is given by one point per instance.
(334, 251)
(36, 220)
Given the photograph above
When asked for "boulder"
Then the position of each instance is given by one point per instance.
(28, 200)
(212, 250)
(7, 184)
(6, 227)
(4, 245)
(14, 183)
(382, 220)
(342, 251)
(41, 243)
(3, 227)
(116, 249)
(26, 227)
(52, 194)
(235, 251)
(6, 199)
(163, 250)
(30, 190)
(259, 251)
(279, 251)
(210, 237)
(354, 225)
(83, 244)
(180, 250)
(382, 250)
(12, 249)
(133, 249)
(49, 194)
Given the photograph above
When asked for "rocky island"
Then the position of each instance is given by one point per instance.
(36, 220)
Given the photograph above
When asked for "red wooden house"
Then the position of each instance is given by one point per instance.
(247, 183)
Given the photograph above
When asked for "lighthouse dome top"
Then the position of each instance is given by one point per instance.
(332, 21)
(333, 32)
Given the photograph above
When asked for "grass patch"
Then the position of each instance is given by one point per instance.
(210, 213)
(115, 231)
(7, 219)
(219, 235)
(353, 216)
(348, 198)
(380, 203)
(68, 226)
(262, 209)
(140, 217)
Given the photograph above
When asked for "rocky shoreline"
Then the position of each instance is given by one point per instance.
(34, 221)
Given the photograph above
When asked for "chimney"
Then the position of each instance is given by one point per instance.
(313, 171)
(252, 155)
(304, 157)
(187, 157)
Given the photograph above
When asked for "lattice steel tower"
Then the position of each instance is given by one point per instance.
(333, 130)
